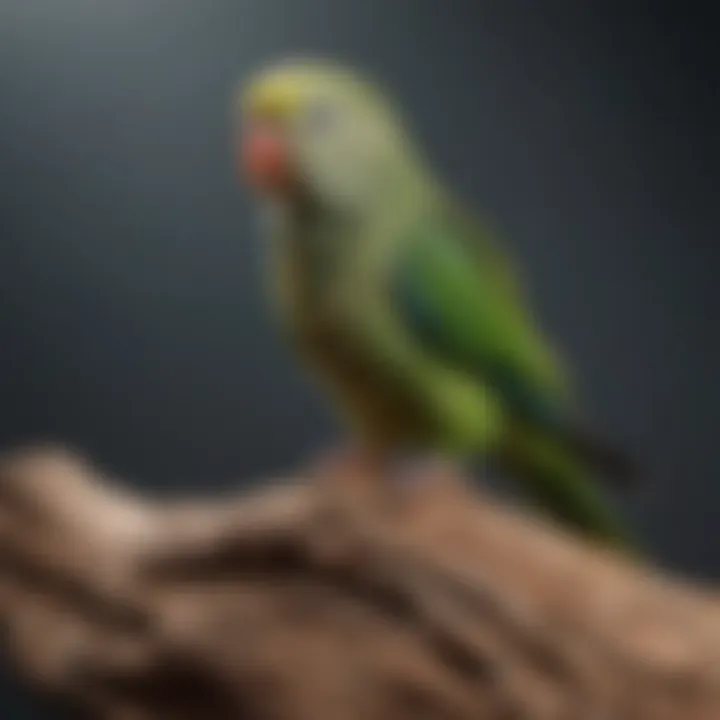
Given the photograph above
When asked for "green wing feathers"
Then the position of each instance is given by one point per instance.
(458, 297)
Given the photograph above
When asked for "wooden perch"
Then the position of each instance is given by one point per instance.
(335, 598)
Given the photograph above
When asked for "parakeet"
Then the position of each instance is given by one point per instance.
(401, 301)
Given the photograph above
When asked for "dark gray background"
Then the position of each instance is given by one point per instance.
(132, 319)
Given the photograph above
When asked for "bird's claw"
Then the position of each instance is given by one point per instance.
(345, 461)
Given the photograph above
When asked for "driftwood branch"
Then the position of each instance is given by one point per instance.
(335, 598)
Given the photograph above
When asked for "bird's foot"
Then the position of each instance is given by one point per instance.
(418, 481)
(410, 471)
(346, 461)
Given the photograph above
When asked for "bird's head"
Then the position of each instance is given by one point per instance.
(315, 129)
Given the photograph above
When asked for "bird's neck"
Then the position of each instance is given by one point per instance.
(401, 186)
(320, 232)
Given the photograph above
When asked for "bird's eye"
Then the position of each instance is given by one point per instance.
(321, 117)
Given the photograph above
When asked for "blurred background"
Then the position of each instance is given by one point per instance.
(132, 312)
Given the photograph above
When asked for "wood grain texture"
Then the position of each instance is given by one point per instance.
(335, 596)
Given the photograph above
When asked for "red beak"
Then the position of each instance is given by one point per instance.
(264, 158)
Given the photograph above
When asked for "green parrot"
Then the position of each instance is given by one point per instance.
(401, 302)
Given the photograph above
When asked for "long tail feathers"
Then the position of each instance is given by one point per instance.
(560, 482)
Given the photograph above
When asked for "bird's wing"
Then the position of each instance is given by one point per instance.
(457, 295)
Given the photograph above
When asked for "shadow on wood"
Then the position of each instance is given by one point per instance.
(335, 598)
